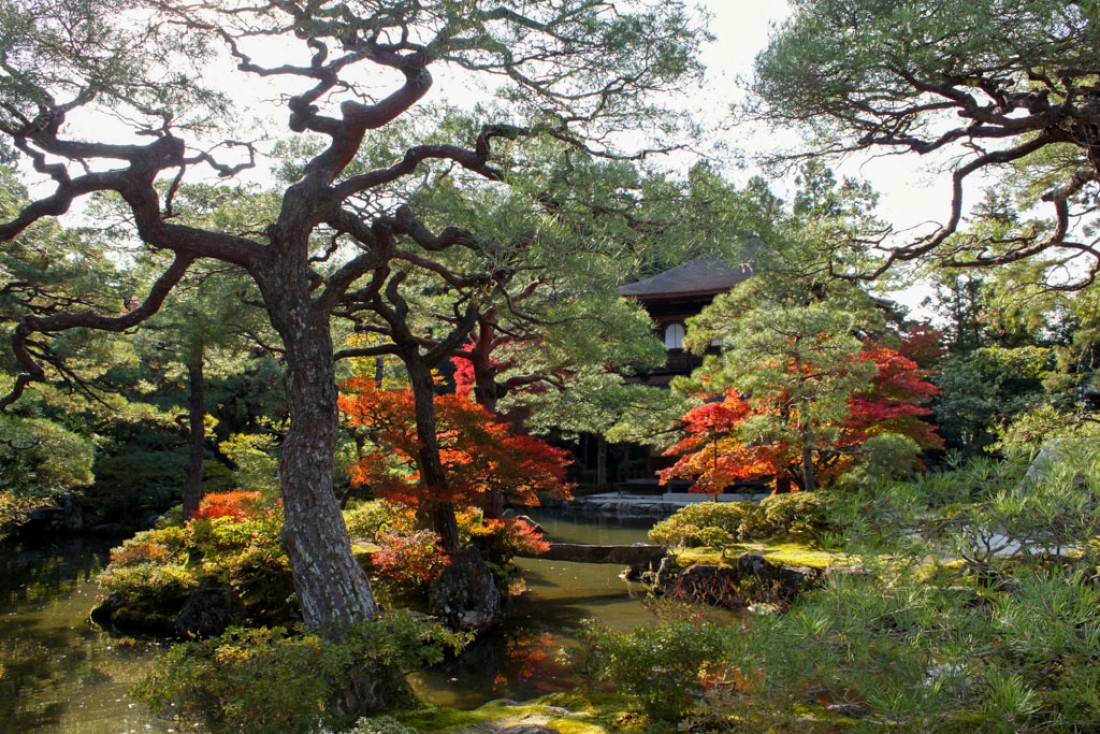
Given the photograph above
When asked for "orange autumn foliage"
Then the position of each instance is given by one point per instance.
(237, 504)
(715, 455)
(478, 452)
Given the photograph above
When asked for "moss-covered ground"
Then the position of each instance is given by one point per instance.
(596, 713)
(567, 713)
(787, 551)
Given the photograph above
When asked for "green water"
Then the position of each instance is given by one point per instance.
(533, 654)
(57, 674)
(60, 676)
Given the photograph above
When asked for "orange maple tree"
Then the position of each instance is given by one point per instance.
(237, 504)
(479, 453)
(716, 455)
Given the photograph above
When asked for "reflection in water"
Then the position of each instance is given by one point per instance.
(531, 655)
(57, 674)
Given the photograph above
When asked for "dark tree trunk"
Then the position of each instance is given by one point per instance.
(332, 587)
(438, 505)
(485, 395)
(379, 372)
(196, 440)
(601, 461)
(782, 482)
(809, 482)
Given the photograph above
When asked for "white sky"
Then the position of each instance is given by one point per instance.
(741, 29)
(911, 196)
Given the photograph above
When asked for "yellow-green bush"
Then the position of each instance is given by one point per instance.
(722, 523)
(368, 519)
(687, 526)
(271, 681)
(150, 585)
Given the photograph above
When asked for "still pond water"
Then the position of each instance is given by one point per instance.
(59, 676)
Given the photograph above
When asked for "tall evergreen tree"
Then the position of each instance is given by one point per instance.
(575, 74)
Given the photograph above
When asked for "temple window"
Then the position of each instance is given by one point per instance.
(674, 336)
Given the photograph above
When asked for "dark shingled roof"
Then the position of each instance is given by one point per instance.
(701, 276)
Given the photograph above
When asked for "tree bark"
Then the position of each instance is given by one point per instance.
(601, 461)
(196, 440)
(809, 482)
(485, 395)
(433, 479)
(333, 589)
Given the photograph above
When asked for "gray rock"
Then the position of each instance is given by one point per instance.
(527, 729)
(1051, 454)
(104, 613)
(465, 596)
(851, 710)
(208, 611)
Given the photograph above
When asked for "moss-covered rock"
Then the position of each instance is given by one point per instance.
(566, 713)
(748, 579)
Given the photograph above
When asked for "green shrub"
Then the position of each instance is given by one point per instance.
(164, 545)
(665, 666)
(380, 725)
(368, 519)
(269, 681)
(246, 556)
(156, 569)
(929, 658)
(255, 460)
(686, 526)
(718, 524)
(797, 513)
(137, 480)
(149, 585)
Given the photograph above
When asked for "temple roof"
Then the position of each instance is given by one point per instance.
(701, 276)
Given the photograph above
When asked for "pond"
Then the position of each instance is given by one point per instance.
(59, 676)
(532, 654)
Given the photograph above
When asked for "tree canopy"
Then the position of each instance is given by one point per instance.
(345, 237)
(999, 88)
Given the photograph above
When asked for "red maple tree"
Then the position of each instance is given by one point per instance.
(716, 455)
(479, 453)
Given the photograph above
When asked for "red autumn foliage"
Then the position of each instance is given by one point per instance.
(894, 403)
(134, 553)
(923, 344)
(479, 453)
(464, 375)
(520, 536)
(716, 457)
(236, 504)
(712, 454)
(416, 558)
(499, 355)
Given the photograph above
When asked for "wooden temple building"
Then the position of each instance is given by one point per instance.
(670, 298)
(676, 295)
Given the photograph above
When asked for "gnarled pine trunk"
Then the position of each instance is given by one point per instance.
(332, 588)
(432, 476)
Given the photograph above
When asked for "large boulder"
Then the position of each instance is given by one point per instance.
(103, 614)
(208, 611)
(751, 579)
(115, 615)
(1053, 453)
(465, 596)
